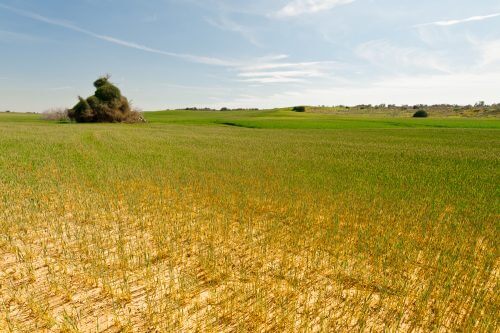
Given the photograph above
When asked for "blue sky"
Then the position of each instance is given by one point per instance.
(241, 53)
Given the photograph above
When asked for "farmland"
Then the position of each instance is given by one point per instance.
(250, 221)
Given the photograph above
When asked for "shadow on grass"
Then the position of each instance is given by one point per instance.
(236, 125)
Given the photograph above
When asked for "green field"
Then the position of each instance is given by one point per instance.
(285, 119)
(250, 221)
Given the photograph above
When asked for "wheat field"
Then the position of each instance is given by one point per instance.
(196, 222)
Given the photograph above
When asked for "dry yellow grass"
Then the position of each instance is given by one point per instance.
(172, 228)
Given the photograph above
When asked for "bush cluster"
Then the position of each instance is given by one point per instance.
(106, 105)
(299, 109)
(56, 114)
(420, 114)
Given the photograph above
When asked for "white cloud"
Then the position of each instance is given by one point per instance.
(296, 65)
(460, 21)
(278, 76)
(228, 25)
(62, 88)
(389, 56)
(460, 88)
(286, 72)
(8, 36)
(489, 51)
(274, 79)
(299, 7)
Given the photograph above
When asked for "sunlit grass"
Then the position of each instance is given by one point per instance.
(285, 119)
(173, 226)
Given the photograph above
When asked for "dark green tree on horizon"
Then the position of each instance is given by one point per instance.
(107, 105)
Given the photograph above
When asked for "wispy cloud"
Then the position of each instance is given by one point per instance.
(286, 72)
(461, 88)
(62, 88)
(387, 55)
(299, 7)
(226, 24)
(8, 36)
(278, 69)
(460, 21)
(488, 51)
(261, 70)
(117, 41)
(294, 65)
(274, 77)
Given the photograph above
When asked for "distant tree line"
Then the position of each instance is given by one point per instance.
(418, 110)
(221, 109)
(456, 107)
(480, 104)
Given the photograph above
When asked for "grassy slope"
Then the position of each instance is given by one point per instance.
(369, 226)
(293, 120)
(6, 117)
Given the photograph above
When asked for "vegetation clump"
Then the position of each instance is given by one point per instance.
(299, 109)
(56, 114)
(106, 105)
(420, 114)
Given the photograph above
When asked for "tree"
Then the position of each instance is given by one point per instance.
(106, 105)
(299, 109)
(420, 114)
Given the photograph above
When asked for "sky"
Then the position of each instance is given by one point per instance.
(241, 53)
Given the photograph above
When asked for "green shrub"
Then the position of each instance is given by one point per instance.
(101, 81)
(93, 102)
(101, 109)
(299, 109)
(108, 92)
(81, 112)
(106, 105)
(420, 114)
